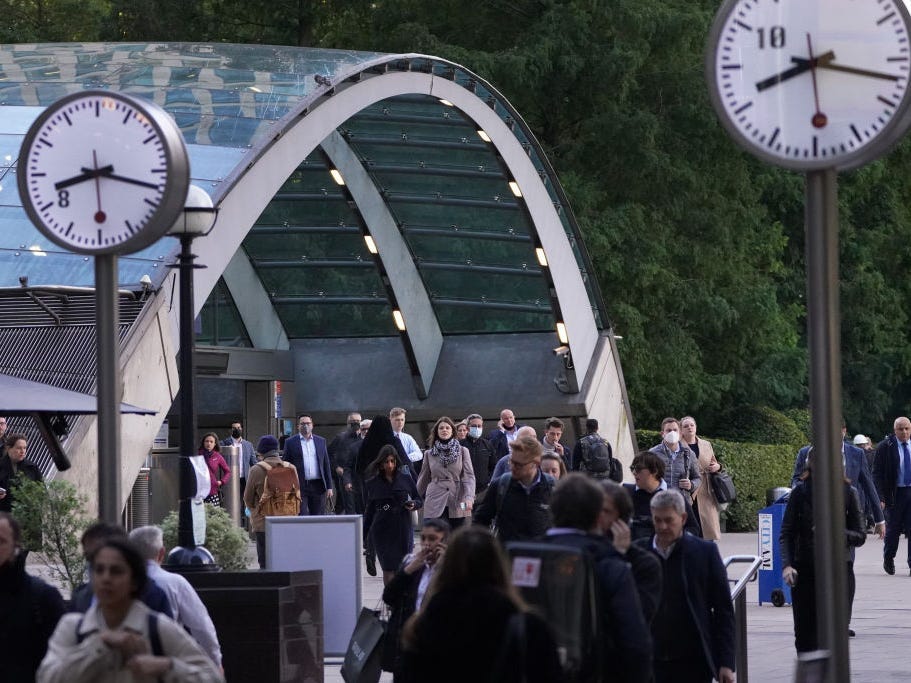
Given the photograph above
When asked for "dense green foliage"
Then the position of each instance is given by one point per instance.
(698, 248)
(226, 541)
(755, 468)
(53, 518)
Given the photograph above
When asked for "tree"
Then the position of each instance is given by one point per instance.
(53, 518)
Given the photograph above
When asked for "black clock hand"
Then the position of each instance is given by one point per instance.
(108, 172)
(87, 174)
(100, 215)
(802, 67)
(849, 70)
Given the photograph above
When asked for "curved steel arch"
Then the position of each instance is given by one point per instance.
(247, 191)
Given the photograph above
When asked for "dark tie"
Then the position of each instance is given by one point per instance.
(906, 464)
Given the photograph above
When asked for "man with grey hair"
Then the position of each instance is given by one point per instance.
(189, 611)
(693, 628)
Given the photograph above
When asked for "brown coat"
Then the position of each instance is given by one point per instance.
(708, 506)
(445, 486)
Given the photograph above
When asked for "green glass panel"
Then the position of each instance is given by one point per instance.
(310, 281)
(430, 212)
(454, 248)
(291, 245)
(336, 320)
(485, 286)
(220, 322)
(425, 183)
(326, 211)
(394, 150)
(481, 320)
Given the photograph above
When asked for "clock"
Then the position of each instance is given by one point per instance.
(811, 84)
(101, 172)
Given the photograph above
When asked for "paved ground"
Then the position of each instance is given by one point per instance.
(882, 620)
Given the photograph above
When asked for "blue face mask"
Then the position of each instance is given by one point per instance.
(474, 432)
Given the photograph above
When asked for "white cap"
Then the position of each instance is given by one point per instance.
(860, 439)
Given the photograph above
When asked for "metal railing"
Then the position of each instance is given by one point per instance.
(739, 596)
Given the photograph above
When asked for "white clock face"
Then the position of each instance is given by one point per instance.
(811, 83)
(101, 173)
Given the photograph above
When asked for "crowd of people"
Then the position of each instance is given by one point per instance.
(652, 558)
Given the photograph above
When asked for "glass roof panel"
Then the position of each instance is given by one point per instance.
(220, 322)
(337, 320)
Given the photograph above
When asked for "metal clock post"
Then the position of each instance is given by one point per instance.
(102, 173)
(817, 86)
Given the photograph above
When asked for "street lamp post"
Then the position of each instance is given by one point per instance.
(197, 220)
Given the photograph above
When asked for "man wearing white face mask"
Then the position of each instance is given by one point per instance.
(483, 457)
(681, 466)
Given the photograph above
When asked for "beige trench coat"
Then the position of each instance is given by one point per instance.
(445, 486)
(708, 506)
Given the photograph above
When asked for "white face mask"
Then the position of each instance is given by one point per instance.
(474, 432)
(672, 437)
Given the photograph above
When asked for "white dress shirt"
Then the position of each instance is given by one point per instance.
(410, 445)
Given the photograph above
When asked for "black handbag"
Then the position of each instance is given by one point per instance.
(364, 657)
(722, 486)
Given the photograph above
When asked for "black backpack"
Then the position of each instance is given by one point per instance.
(560, 581)
(598, 459)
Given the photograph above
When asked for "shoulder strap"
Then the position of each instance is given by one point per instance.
(154, 637)
(79, 636)
(502, 487)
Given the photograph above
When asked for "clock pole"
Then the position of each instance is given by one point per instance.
(108, 365)
(823, 329)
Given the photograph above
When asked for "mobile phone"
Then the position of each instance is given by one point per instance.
(2, 490)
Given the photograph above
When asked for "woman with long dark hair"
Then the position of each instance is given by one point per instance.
(472, 611)
(219, 472)
(379, 434)
(391, 496)
(798, 541)
(119, 639)
(447, 476)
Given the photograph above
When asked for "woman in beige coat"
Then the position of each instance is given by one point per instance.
(446, 482)
(705, 501)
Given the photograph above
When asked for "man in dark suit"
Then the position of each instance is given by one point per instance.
(857, 471)
(892, 475)
(693, 630)
(307, 452)
(247, 456)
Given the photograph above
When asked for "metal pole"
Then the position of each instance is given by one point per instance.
(107, 329)
(740, 637)
(185, 536)
(232, 496)
(188, 554)
(825, 402)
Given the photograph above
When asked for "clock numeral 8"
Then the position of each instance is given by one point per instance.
(774, 37)
(63, 199)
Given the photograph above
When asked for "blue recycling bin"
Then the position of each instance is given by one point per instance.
(772, 587)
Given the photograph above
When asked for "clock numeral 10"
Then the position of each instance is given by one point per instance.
(772, 37)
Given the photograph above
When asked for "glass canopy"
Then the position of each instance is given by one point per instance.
(445, 187)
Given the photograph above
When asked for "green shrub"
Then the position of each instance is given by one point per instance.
(53, 518)
(754, 467)
(801, 417)
(759, 424)
(226, 542)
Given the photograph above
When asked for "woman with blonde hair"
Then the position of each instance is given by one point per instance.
(472, 609)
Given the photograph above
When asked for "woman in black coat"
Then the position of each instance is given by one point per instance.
(798, 541)
(391, 496)
(473, 625)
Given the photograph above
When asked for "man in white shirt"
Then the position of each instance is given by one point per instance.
(412, 450)
(189, 611)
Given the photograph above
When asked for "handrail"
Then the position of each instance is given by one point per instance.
(739, 596)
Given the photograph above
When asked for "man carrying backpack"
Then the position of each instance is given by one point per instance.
(600, 618)
(594, 456)
(273, 489)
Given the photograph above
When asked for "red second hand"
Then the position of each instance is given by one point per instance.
(819, 119)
